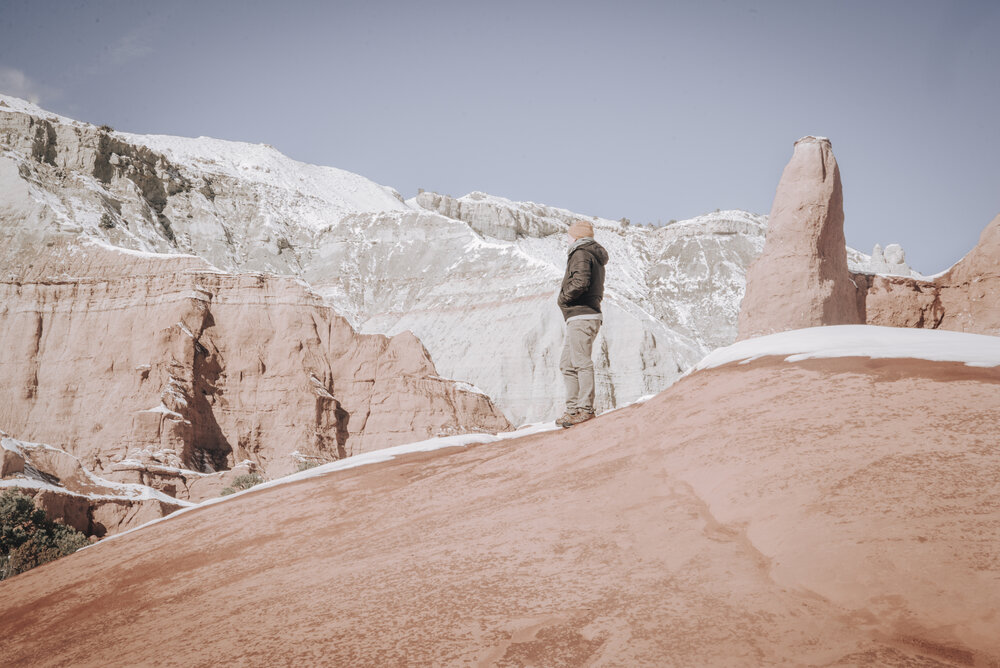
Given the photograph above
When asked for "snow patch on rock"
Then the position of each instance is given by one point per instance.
(862, 341)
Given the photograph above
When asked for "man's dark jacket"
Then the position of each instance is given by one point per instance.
(583, 285)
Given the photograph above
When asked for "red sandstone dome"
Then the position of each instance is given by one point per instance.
(838, 511)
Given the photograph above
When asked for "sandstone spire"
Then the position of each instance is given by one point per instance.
(801, 279)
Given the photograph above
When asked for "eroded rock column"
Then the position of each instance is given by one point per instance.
(801, 279)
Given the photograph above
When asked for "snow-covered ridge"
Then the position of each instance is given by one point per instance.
(259, 164)
(101, 243)
(447, 269)
(16, 104)
(863, 341)
(263, 164)
(727, 221)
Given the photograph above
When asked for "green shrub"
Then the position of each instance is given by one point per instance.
(242, 482)
(305, 466)
(28, 538)
(107, 222)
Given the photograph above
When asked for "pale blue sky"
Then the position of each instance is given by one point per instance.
(650, 110)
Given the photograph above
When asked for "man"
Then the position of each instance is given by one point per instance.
(580, 300)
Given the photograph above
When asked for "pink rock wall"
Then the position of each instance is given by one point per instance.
(74, 497)
(108, 352)
(966, 298)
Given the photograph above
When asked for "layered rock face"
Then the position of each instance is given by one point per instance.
(390, 266)
(474, 277)
(801, 279)
(111, 352)
(667, 533)
(689, 275)
(493, 218)
(966, 298)
(70, 494)
(156, 367)
(669, 296)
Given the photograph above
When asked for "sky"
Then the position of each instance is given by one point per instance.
(647, 110)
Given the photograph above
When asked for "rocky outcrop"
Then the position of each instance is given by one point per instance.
(981, 263)
(148, 469)
(966, 298)
(390, 266)
(970, 290)
(112, 352)
(386, 265)
(493, 218)
(72, 495)
(667, 533)
(801, 279)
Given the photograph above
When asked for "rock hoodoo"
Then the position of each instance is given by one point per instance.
(802, 279)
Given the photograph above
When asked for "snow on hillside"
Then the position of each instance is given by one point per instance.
(11, 103)
(262, 164)
(862, 341)
(475, 277)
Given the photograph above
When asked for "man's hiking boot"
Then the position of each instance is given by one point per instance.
(566, 418)
(577, 418)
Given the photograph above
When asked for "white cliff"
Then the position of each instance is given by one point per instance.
(474, 277)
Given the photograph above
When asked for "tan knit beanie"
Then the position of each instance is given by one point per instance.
(580, 229)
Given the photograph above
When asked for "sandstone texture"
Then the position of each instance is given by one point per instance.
(147, 469)
(801, 279)
(111, 353)
(158, 367)
(966, 298)
(70, 494)
(768, 513)
(804, 279)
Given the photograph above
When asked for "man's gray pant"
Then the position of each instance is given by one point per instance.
(576, 365)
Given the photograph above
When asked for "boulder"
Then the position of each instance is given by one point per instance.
(11, 463)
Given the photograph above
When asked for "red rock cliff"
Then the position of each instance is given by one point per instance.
(109, 352)
(966, 298)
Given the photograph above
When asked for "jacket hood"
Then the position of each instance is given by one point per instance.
(594, 248)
